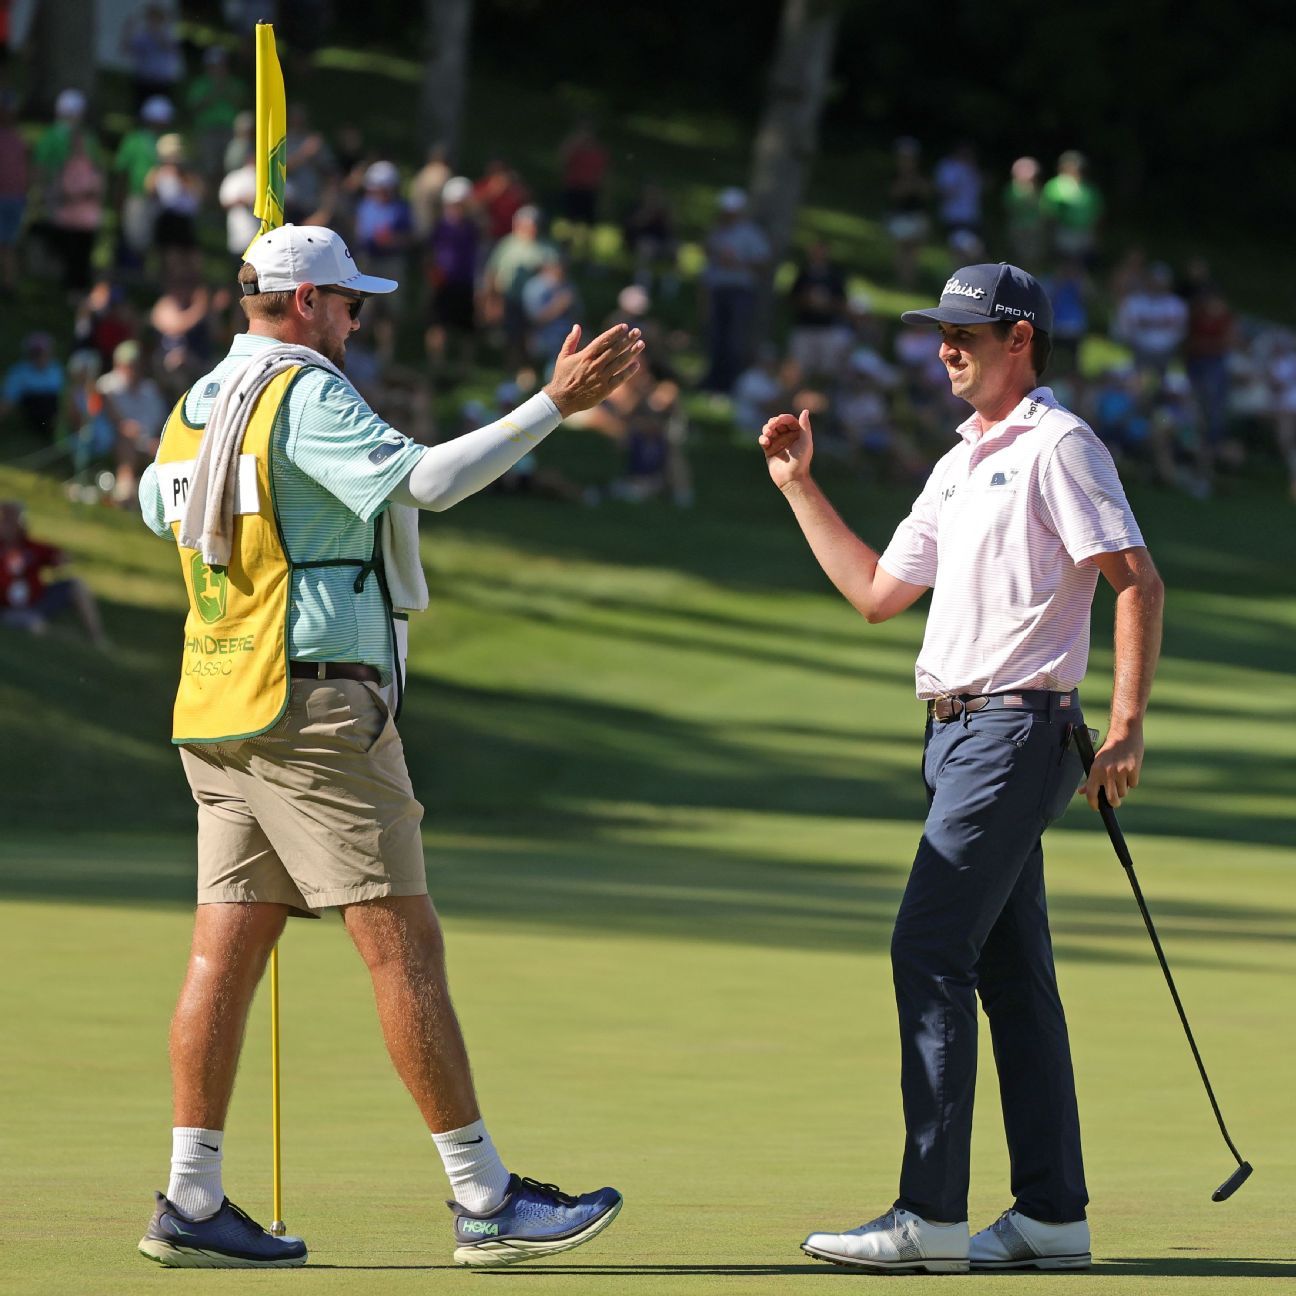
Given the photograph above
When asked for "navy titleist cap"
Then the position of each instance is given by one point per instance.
(981, 294)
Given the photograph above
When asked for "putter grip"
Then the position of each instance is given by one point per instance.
(1084, 745)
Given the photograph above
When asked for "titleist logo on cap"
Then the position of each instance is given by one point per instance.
(957, 288)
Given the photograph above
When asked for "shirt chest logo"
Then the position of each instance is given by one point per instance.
(1004, 478)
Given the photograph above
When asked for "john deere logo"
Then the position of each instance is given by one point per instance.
(210, 587)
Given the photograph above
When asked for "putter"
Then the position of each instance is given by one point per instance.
(1084, 745)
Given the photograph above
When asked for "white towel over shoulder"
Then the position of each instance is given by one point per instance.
(208, 521)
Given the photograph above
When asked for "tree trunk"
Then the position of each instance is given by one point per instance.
(788, 134)
(447, 27)
(60, 53)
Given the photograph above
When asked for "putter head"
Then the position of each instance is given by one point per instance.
(1232, 1183)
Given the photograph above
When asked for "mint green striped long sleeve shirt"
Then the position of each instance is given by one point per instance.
(334, 464)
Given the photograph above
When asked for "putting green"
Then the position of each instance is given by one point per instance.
(672, 792)
(738, 1086)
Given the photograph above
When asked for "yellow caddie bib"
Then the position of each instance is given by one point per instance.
(234, 679)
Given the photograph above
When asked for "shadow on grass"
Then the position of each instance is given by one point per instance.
(1157, 1267)
(735, 1270)
(607, 1270)
(1194, 1267)
(614, 885)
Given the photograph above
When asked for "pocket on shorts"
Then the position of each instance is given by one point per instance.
(345, 711)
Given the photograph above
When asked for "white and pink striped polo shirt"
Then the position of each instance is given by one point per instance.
(1004, 532)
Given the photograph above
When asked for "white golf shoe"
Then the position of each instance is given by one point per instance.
(1015, 1241)
(897, 1242)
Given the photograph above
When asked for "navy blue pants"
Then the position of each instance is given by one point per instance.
(974, 921)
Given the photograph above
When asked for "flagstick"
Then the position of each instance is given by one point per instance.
(277, 1228)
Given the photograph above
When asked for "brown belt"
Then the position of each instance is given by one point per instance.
(334, 670)
(945, 709)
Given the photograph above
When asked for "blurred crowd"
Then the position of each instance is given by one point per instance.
(129, 226)
(1178, 385)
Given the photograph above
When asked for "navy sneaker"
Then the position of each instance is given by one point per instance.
(534, 1219)
(230, 1239)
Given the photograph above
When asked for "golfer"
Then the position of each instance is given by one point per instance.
(293, 508)
(1010, 532)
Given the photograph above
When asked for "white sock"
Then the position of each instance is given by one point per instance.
(477, 1175)
(195, 1188)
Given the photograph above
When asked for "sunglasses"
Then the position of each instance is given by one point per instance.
(354, 303)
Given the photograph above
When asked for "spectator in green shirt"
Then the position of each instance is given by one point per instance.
(135, 160)
(513, 260)
(1073, 207)
(213, 100)
(1024, 214)
(54, 146)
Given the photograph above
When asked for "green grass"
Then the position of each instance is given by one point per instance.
(672, 792)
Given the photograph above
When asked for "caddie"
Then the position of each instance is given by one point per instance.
(1010, 533)
(292, 506)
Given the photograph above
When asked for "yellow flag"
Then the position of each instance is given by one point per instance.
(271, 128)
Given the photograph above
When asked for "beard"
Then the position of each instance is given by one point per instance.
(332, 348)
(335, 352)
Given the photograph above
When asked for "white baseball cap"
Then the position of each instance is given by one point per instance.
(157, 110)
(70, 103)
(456, 190)
(293, 255)
(382, 175)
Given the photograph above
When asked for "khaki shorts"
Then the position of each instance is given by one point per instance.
(315, 812)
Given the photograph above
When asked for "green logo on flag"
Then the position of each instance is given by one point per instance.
(210, 587)
(276, 182)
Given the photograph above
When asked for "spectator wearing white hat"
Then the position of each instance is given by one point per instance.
(384, 228)
(450, 271)
(737, 253)
(177, 189)
(53, 146)
(136, 410)
(76, 212)
(135, 159)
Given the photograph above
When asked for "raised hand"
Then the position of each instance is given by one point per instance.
(789, 445)
(583, 378)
